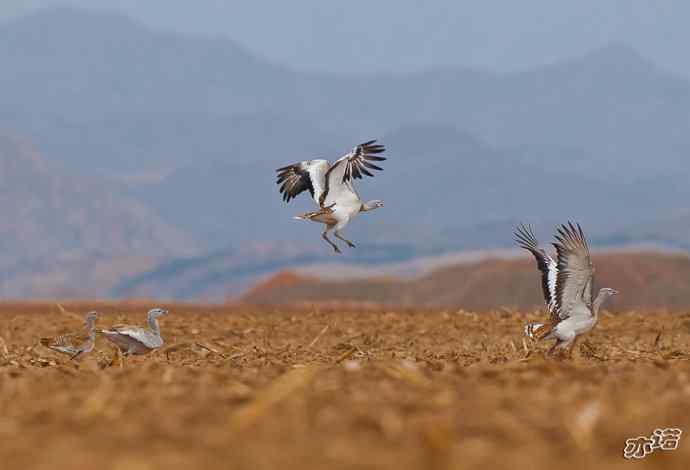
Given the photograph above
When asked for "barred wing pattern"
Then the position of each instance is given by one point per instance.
(575, 271)
(352, 166)
(68, 344)
(303, 176)
(524, 236)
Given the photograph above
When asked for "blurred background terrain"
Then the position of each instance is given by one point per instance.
(138, 143)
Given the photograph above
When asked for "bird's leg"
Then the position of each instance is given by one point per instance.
(324, 235)
(563, 348)
(553, 348)
(572, 347)
(75, 355)
(349, 243)
(113, 360)
(121, 358)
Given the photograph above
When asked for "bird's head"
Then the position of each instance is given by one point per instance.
(371, 205)
(91, 316)
(608, 292)
(157, 312)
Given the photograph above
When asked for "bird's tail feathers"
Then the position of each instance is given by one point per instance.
(317, 216)
(537, 331)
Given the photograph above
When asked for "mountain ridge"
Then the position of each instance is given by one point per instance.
(647, 281)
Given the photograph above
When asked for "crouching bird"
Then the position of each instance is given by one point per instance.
(567, 285)
(75, 344)
(331, 188)
(136, 339)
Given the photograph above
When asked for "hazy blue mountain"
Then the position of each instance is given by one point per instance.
(63, 235)
(74, 76)
(399, 36)
(191, 129)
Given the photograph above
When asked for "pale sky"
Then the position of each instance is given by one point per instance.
(405, 35)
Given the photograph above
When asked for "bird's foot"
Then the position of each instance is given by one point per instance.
(337, 250)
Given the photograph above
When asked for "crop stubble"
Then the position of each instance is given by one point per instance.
(340, 386)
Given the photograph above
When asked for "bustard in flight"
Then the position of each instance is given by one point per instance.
(567, 285)
(75, 344)
(332, 189)
(135, 339)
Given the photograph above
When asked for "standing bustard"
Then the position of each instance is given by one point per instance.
(567, 285)
(135, 339)
(75, 344)
(331, 187)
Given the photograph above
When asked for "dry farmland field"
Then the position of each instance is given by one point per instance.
(340, 387)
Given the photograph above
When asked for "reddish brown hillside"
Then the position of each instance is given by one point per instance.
(282, 280)
(646, 280)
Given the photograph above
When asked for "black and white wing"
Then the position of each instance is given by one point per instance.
(307, 175)
(524, 236)
(575, 271)
(358, 162)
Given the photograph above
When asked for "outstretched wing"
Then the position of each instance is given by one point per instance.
(135, 333)
(524, 236)
(575, 271)
(298, 177)
(351, 166)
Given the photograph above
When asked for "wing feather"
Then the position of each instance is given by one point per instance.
(303, 176)
(575, 271)
(350, 167)
(293, 180)
(524, 236)
(137, 333)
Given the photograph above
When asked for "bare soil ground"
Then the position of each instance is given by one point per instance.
(340, 387)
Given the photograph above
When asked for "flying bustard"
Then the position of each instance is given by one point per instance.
(75, 344)
(135, 339)
(567, 285)
(331, 187)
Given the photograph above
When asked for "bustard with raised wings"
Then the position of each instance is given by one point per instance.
(567, 285)
(331, 187)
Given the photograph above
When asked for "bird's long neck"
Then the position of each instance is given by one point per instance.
(598, 302)
(153, 324)
(91, 327)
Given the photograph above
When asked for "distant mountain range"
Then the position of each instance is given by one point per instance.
(62, 235)
(178, 137)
